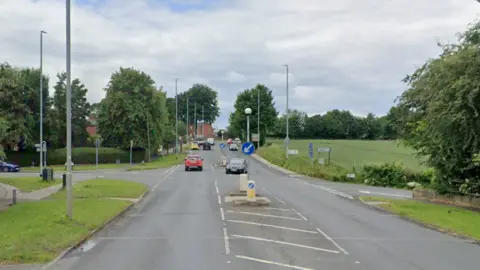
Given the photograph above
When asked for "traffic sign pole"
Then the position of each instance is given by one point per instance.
(251, 196)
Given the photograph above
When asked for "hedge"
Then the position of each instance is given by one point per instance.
(80, 155)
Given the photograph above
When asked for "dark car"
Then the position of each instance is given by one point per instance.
(236, 165)
(7, 167)
(207, 146)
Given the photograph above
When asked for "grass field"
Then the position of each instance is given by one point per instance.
(28, 183)
(347, 153)
(104, 188)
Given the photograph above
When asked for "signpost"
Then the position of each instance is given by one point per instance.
(131, 149)
(310, 152)
(222, 145)
(97, 145)
(251, 191)
(292, 151)
(255, 137)
(248, 148)
(325, 150)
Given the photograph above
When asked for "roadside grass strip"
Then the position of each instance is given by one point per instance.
(78, 167)
(445, 218)
(28, 183)
(161, 162)
(104, 188)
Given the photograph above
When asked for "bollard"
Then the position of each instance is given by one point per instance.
(14, 197)
(243, 182)
(251, 196)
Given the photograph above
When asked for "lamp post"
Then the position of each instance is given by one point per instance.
(222, 134)
(69, 112)
(248, 111)
(287, 139)
(41, 103)
(176, 117)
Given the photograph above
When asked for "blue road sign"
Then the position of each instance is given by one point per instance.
(310, 150)
(248, 148)
(251, 185)
(222, 145)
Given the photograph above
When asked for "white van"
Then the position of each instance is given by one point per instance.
(211, 141)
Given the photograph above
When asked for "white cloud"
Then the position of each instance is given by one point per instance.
(341, 54)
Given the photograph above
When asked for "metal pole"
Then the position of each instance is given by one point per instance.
(188, 122)
(97, 144)
(176, 117)
(203, 123)
(131, 150)
(258, 117)
(195, 124)
(69, 116)
(148, 139)
(45, 154)
(248, 128)
(41, 100)
(287, 139)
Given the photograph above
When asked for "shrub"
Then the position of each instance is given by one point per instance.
(393, 175)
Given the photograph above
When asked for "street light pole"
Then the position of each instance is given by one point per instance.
(188, 127)
(258, 117)
(287, 139)
(69, 115)
(203, 123)
(41, 100)
(176, 117)
(195, 117)
(248, 111)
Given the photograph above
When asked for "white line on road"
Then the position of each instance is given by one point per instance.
(262, 215)
(216, 188)
(222, 214)
(211, 166)
(266, 191)
(278, 199)
(384, 194)
(272, 226)
(227, 243)
(333, 241)
(298, 213)
(219, 200)
(165, 175)
(283, 243)
(333, 191)
(273, 263)
(278, 209)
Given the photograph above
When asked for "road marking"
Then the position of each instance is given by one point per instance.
(219, 200)
(278, 199)
(165, 175)
(333, 241)
(262, 215)
(269, 225)
(222, 214)
(211, 166)
(227, 243)
(385, 194)
(278, 209)
(273, 263)
(300, 215)
(333, 191)
(283, 243)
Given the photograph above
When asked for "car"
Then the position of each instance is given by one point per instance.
(211, 141)
(207, 146)
(193, 162)
(7, 167)
(236, 165)
(229, 141)
(237, 141)
(233, 147)
(194, 146)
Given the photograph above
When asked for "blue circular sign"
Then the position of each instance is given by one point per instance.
(222, 145)
(248, 148)
(251, 185)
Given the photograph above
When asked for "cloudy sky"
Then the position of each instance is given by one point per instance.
(345, 54)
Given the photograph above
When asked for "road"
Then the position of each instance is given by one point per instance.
(184, 223)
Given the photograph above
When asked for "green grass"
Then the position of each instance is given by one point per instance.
(37, 232)
(29, 183)
(347, 153)
(443, 217)
(161, 162)
(79, 167)
(105, 188)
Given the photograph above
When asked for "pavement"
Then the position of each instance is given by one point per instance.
(184, 223)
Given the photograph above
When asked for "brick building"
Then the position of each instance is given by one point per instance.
(208, 131)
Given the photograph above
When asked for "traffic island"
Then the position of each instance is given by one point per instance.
(246, 195)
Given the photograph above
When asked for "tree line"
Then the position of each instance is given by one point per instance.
(134, 110)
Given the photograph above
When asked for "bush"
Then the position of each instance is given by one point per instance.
(80, 155)
(393, 175)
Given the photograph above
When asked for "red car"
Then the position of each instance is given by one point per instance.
(193, 162)
(229, 141)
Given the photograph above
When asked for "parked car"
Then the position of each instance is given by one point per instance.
(193, 162)
(236, 165)
(233, 147)
(7, 167)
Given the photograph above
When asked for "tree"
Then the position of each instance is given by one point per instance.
(80, 111)
(133, 109)
(248, 99)
(3, 133)
(439, 113)
(202, 95)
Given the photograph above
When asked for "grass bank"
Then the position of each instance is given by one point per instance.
(37, 232)
(28, 183)
(161, 162)
(445, 218)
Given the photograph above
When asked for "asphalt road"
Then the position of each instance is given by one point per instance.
(184, 223)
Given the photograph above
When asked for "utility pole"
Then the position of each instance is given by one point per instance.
(287, 139)
(195, 117)
(69, 115)
(203, 123)
(188, 127)
(176, 117)
(148, 138)
(258, 117)
(41, 101)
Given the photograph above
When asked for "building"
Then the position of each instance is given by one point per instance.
(92, 126)
(208, 130)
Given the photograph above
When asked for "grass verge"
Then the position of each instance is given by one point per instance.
(29, 183)
(161, 162)
(445, 218)
(105, 188)
(79, 167)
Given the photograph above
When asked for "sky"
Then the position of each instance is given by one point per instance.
(342, 54)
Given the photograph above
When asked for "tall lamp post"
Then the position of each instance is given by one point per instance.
(287, 139)
(41, 102)
(248, 111)
(258, 117)
(222, 134)
(176, 117)
(69, 112)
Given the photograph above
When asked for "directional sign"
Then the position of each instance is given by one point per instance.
(310, 150)
(251, 185)
(248, 148)
(222, 145)
(324, 149)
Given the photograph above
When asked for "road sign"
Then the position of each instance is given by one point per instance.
(310, 150)
(251, 185)
(251, 191)
(293, 151)
(255, 137)
(286, 141)
(222, 145)
(324, 149)
(248, 148)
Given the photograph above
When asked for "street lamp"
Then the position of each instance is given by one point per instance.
(69, 112)
(176, 117)
(222, 134)
(287, 139)
(248, 111)
(41, 102)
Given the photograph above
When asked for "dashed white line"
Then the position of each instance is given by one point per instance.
(262, 215)
(298, 213)
(278, 199)
(273, 263)
(165, 174)
(227, 243)
(330, 190)
(271, 226)
(212, 167)
(217, 189)
(222, 214)
(219, 200)
(333, 241)
(278, 209)
(284, 243)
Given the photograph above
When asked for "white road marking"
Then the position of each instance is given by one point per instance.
(262, 215)
(333, 191)
(212, 167)
(227, 243)
(272, 226)
(278, 199)
(266, 191)
(278, 209)
(219, 200)
(298, 213)
(165, 175)
(222, 214)
(333, 241)
(384, 194)
(272, 263)
(284, 243)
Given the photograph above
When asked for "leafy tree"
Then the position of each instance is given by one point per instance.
(3, 133)
(80, 111)
(439, 113)
(248, 99)
(133, 109)
(202, 95)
